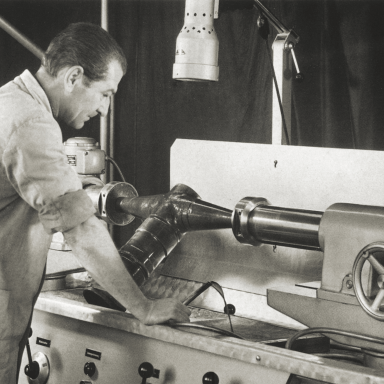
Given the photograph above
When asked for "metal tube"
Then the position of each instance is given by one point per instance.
(148, 247)
(104, 14)
(255, 221)
(112, 138)
(104, 120)
(288, 227)
(181, 208)
(23, 40)
(278, 25)
(168, 218)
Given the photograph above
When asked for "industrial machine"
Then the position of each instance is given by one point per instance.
(295, 241)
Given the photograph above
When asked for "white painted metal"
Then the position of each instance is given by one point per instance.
(293, 177)
(181, 357)
(282, 63)
(123, 352)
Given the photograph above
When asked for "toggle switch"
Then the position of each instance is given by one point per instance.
(37, 368)
(146, 371)
(32, 369)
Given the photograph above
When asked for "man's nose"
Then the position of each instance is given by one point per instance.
(103, 109)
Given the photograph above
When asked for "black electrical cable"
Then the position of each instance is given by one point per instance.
(116, 166)
(202, 289)
(341, 356)
(333, 331)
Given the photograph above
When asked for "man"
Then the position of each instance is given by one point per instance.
(40, 194)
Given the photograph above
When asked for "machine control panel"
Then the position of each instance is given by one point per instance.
(77, 343)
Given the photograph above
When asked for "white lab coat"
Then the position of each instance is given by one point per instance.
(39, 195)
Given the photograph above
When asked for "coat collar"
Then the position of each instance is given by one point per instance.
(34, 88)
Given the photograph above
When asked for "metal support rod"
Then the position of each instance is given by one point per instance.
(111, 173)
(104, 120)
(282, 68)
(277, 24)
(23, 40)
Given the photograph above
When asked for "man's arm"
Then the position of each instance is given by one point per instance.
(37, 168)
(95, 250)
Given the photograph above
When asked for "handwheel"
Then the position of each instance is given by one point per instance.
(370, 306)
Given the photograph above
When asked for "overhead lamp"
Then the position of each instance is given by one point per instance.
(197, 45)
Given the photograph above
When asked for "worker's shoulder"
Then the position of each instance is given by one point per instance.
(19, 103)
(18, 108)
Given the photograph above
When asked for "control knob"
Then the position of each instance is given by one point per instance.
(89, 368)
(210, 378)
(146, 371)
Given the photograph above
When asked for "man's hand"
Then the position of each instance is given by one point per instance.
(96, 252)
(163, 310)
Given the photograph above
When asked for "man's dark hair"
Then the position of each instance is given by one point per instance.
(87, 45)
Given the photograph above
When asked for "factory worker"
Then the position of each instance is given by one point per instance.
(40, 194)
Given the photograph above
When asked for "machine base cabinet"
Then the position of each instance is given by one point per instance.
(113, 357)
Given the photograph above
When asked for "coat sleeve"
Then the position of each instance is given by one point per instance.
(37, 168)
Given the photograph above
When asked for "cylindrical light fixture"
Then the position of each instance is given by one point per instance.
(197, 46)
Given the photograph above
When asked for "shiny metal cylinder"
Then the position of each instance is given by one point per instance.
(148, 247)
(93, 192)
(255, 221)
(288, 227)
(104, 199)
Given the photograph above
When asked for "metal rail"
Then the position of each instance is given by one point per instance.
(22, 39)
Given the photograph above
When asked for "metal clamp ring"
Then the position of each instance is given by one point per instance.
(240, 217)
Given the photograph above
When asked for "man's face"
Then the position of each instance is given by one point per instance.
(86, 102)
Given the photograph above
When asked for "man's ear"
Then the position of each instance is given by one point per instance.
(73, 77)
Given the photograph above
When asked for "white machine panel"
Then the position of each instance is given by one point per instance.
(288, 176)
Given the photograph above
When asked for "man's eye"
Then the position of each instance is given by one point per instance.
(106, 95)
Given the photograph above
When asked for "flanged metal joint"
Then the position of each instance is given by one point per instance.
(109, 196)
(240, 219)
